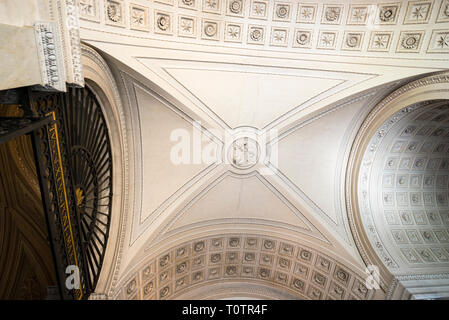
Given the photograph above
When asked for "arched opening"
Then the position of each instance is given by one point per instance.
(397, 188)
(403, 186)
(56, 174)
(89, 147)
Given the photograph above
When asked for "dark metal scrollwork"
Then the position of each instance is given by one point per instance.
(74, 158)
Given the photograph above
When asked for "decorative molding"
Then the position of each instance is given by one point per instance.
(360, 231)
(422, 276)
(332, 14)
(50, 56)
(327, 39)
(168, 2)
(412, 221)
(256, 34)
(387, 13)
(233, 32)
(358, 14)
(163, 22)
(210, 29)
(114, 12)
(380, 41)
(410, 41)
(391, 289)
(393, 21)
(303, 38)
(306, 13)
(65, 13)
(439, 42)
(73, 62)
(188, 4)
(282, 11)
(443, 12)
(399, 289)
(139, 17)
(279, 36)
(88, 10)
(119, 141)
(298, 269)
(353, 40)
(187, 26)
(244, 153)
(98, 296)
(418, 12)
(212, 6)
(235, 8)
(259, 9)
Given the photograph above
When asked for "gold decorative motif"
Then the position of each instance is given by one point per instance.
(79, 193)
(61, 194)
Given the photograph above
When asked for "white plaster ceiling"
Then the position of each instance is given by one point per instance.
(408, 158)
(315, 97)
(231, 265)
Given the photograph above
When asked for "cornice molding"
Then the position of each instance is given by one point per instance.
(50, 56)
(66, 13)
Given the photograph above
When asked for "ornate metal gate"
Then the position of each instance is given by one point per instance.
(74, 163)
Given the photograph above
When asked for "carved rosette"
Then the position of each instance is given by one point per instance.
(302, 38)
(163, 22)
(282, 11)
(410, 42)
(114, 12)
(244, 153)
(387, 14)
(353, 41)
(188, 3)
(236, 6)
(332, 14)
(210, 30)
(256, 34)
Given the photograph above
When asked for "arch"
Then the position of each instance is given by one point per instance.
(255, 265)
(100, 80)
(416, 93)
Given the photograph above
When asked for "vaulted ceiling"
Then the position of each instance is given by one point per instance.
(296, 81)
(404, 177)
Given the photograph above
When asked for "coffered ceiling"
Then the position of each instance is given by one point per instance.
(411, 205)
(356, 29)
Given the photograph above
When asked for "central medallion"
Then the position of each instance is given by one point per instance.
(244, 153)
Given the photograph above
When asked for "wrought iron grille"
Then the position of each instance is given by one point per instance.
(74, 161)
(91, 165)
